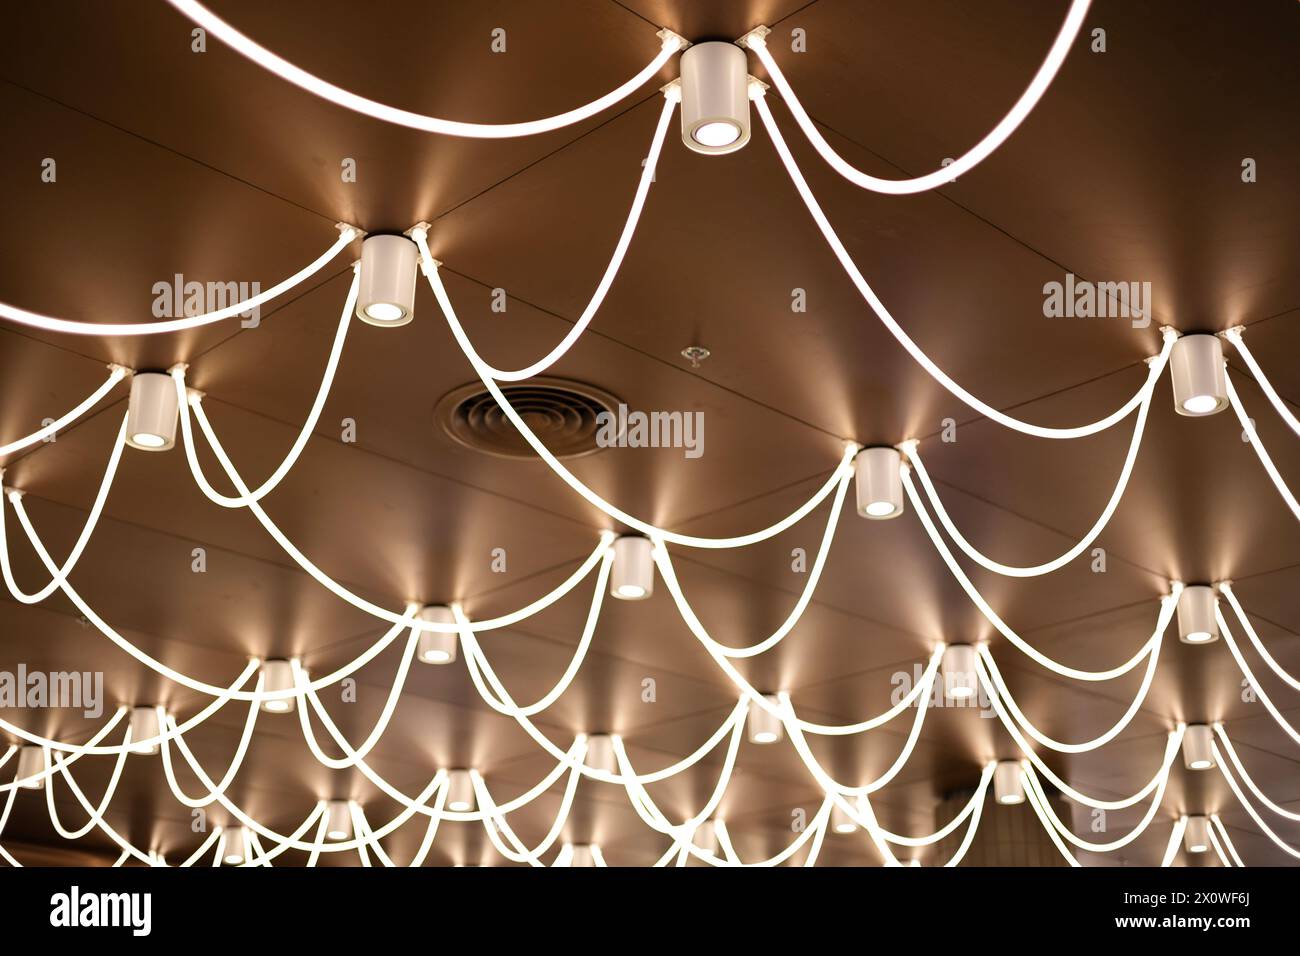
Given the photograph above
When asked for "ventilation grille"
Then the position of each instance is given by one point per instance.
(560, 412)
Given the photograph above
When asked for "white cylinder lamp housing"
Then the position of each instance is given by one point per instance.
(386, 296)
(144, 727)
(1196, 370)
(715, 97)
(235, 851)
(841, 822)
(151, 412)
(764, 726)
(338, 820)
(1196, 621)
(706, 836)
(879, 483)
(633, 575)
(31, 761)
(437, 647)
(460, 791)
(277, 675)
(1008, 783)
(960, 681)
(600, 753)
(582, 855)
(1196, 838)
(1198, 747)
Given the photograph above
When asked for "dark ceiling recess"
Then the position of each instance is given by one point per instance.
(562, 413)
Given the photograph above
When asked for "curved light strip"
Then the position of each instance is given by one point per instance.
(1225, 588)
(360, 823)
(1171, 751)
(992, 616)
(805, 752)
(1254, 814)
(385, 715)
(579, 655)
(429, 266)
(1248, 428)
(1031, 795)
(267, 60)
(1245, 777)
(641, 800)
(801, 605)
(1175, 841)
(418, 804)
(896, 330)
(203, 687)
(116, 374)
(978, 153)
(49, 770)
(495, 823)
(241, 750)
(977, 798)
(1217, 824)
(683, 834)
(973, 828)
(480, 671)
(923, 687)
(438, 780)
(1250, 677)
(664, 562)
(104, 826)
(1098, 741)
(1031, 780)
(615, 261)
(418, 624)
(1014, 571)
(309, 426)
(1234, 335)
(1218, 847)
(97, 814)
(91, 747)
(61, 574)
(814, 833)
(52, 324)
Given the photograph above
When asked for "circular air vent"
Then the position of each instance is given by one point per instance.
(560, 412)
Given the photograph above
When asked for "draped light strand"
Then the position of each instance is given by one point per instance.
(963, 164)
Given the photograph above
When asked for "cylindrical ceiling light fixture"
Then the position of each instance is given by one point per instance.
(144, 726)
(338, 820)
(437, 647)
(633, 575)
(582, 855)
(1196, 370)
(1196, 606)
(841, 822)
(879, 483)
(386, 296)
(277, 675)
(958, 667)
(1008, 783)
(460, 791)
(706, 836)
(715, 97)
(600, 753)
(1198, 747)
(765, 726)
(31, 761)
(236, 848)
(151, 412)
(1196, 838)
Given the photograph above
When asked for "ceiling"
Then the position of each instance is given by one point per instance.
(173, 162)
